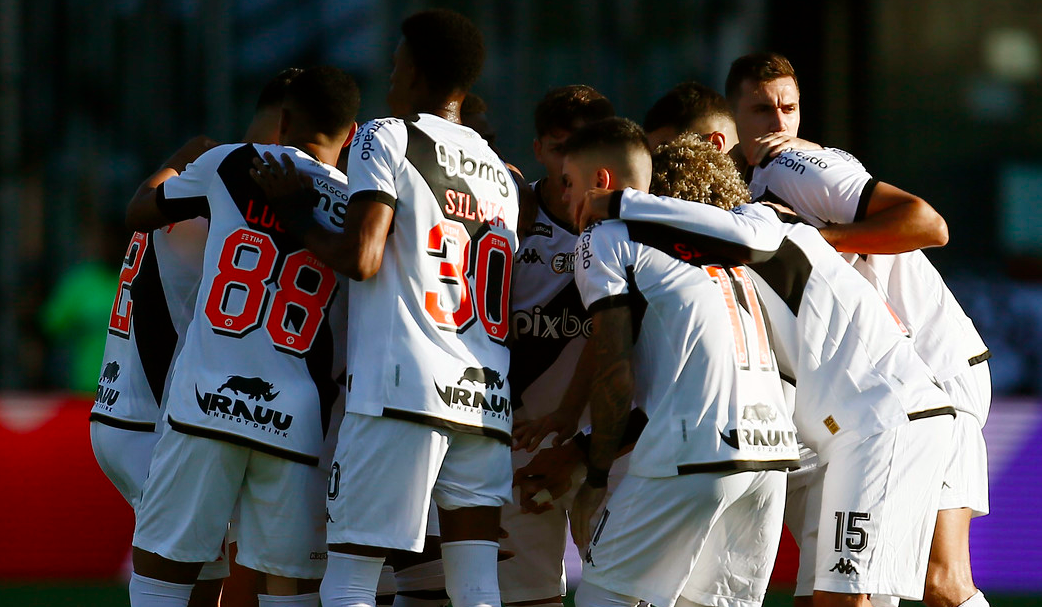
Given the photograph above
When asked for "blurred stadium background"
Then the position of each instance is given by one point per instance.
(940, 97)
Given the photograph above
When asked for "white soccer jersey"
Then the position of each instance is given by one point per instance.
(703, 367)
(831, 186)
(260, 354)
(549, 321)
(152, 309)
(856, 372)
(428, 333)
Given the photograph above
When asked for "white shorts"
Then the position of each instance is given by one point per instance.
(191, 492)
(712, 536)
(878, 510)
(390, 470)
(966, 475)
(802, 511)
(124, 457)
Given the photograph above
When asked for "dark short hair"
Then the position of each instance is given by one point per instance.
(615, 132)
(447, 49)
(328, 96)
(685, 104)
(758, 67)
(274, 91)
(472, 104)
(569, 107)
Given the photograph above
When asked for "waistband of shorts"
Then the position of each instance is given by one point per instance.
(738, 466)
(949, 410)
(978, 359)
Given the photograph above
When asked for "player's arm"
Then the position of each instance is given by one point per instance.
(894, 221)
(147, 211)
(772, 144)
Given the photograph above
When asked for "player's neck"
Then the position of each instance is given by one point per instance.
(443, 107)
(550, 194)
(317, 150)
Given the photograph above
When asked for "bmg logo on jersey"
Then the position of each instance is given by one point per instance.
(237, 410)
(469, 398)
(465, 166)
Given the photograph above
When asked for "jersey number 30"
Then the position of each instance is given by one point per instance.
(484, 264)
(239, 296)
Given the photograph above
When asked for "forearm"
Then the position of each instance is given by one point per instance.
(611, 396)
(897, 229)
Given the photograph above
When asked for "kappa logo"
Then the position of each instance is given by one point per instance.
(563, 263)
(845, 566)
(258, 416)
(254, 388)
(110, 373)
(530, 256)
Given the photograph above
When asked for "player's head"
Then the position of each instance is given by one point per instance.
(694, 107)
(264, 128)
(612, 153)
(690, 168)
(438, 58)
(473, 113)
(561, 112)
(764, 96)
(319, 108)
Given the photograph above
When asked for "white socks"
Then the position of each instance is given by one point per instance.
(976, 600)
(296, 600)
(471, 573)
(350, 580)
(150, 592)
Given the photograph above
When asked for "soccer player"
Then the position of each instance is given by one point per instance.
(708, 470)
(690, 107)
(151, 311)
(868, 218)
(428, 403)
(550, 326)
(251, 391)
(865, 401)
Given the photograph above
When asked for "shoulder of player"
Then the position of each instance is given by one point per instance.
(605, 234)
(803, 162)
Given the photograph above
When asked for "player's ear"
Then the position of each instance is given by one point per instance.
(604, 179)
(717, 139)
(351, 135)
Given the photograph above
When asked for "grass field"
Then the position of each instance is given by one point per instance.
(115, 595)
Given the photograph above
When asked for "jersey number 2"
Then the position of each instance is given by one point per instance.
(123, 306)
(245, 267)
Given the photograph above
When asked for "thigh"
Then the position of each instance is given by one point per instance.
(279, 534)
(187, 500)
(475, 471)
(382, 480)
(124, 457)
(966, 469)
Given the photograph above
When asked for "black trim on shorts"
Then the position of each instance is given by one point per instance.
(427, 595)
(978, 359)
(122, 424)
(739, 466)
(862, 203)
(430, 420)
(374, 196)
(931, 413)
(235, 439)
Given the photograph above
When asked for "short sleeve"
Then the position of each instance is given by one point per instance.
(822, 187)
(602, 254)
(376, 155)
(184, 196)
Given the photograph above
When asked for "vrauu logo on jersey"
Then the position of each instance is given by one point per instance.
(222, 406)
(471, 398)
(757, 430)
(107, 396)
(456, 162)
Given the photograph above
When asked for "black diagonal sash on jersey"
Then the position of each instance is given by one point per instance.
(253, 205)
(787, 273)
(532, 355)
(154, 333)
(695, 249)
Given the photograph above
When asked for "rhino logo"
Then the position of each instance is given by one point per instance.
(110, 373)
(759, 413)
(484, 375)
(254, 388)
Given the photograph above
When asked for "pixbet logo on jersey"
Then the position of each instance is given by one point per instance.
(260, 417)
(458, 397)
(556, 325)
(466, 166)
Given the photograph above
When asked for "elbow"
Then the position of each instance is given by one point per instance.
(936, 232)
(361, 269)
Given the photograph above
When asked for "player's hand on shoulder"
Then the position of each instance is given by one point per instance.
(280, 180)
(593, 207)
(770, 145)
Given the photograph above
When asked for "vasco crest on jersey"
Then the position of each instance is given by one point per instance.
(228, 403)
(107, 395)
(477, 389)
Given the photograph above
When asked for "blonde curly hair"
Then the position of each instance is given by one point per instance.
(689, 168)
